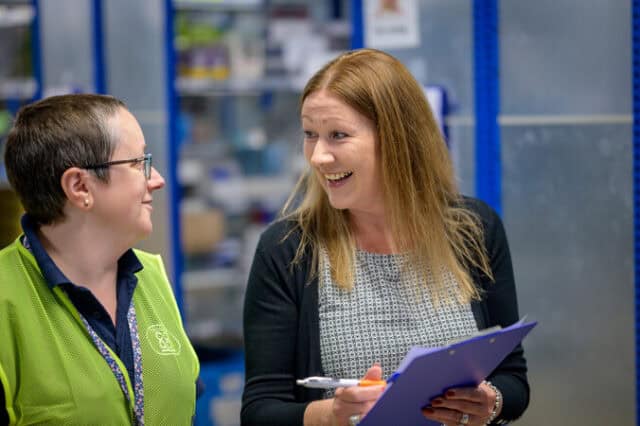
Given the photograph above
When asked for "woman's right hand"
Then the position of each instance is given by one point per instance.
(356, 400)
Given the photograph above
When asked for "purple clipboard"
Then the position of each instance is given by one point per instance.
(428, 372)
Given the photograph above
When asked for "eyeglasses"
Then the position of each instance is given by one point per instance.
(146, 160)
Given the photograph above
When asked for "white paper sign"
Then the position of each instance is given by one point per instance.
(435, 97)
(391, 23)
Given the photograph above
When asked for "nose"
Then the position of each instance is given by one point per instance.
(156, 181)
(321, 154)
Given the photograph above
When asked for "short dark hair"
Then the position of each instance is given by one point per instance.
(50, 136)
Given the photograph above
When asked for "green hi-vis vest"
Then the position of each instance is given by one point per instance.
(53, 374)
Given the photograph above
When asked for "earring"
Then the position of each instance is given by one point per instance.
(86, 202)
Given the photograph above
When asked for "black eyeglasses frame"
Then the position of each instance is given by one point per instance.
(145, 159)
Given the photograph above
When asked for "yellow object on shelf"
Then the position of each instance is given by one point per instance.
(10, 218)
(202, 230)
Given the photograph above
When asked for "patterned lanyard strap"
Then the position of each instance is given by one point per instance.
(137, 362)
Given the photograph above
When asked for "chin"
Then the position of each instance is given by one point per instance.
(145, 230)
(339, 205)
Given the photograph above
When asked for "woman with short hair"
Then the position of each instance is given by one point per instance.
(90, 330)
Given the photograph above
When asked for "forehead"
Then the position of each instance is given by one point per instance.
(127, 133)
(323, 106)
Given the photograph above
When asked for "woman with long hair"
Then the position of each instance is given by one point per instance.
(376, 251)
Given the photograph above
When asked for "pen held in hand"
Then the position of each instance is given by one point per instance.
(318, 382)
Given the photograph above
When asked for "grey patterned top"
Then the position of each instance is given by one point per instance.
(387, 312)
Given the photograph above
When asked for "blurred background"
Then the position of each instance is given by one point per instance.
(535, 99)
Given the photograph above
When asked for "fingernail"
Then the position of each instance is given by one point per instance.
(450, 393)
(436, 401)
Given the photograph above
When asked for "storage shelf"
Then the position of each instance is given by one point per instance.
(219, 5)
(208, 87)
(16, 15)
(237, 81)
(24, 88)
(207, 279)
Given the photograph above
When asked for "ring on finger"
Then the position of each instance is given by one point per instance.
(354, 419)
(464, 419)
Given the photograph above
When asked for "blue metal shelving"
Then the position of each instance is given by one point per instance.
(487, 102)
(635, 28)
(99, 76)
(172, 158)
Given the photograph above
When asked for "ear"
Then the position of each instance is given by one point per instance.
(76, 186)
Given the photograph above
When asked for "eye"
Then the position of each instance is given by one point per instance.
(338, 135)
(138, 164)
(308, 134)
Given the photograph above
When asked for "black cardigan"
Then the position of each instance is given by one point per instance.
(281, 325)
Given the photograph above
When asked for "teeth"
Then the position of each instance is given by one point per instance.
(337, 176)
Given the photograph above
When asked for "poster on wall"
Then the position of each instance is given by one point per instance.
(436, 98)
(391, 24)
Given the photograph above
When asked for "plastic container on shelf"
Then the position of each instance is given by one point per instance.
(223, 375)
(202, 52)
(16, 68)
(10, 219)
(239, 134)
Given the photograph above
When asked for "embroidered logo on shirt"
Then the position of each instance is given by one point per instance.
(163, 342)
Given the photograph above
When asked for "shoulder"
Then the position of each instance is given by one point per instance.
(484, 211)
(9, 269)
(152, 266)
(492, 226)
(282, 236)
(9, 251)
(278, 253)
(12, 262)
(147, 258)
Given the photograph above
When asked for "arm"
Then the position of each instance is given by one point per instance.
(274, 352)
(510, 377)
(270, 336)
(498, 307)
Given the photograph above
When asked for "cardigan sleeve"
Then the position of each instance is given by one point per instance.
(271, 312)
(510, 377)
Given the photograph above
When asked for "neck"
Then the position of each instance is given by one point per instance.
(82, 256)
(372, 233)
(87, 257)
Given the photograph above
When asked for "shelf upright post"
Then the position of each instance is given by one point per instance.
(99, 77)
(635, 40)
(173, 186)
(36, 56)
(357, 24)
(487, 102)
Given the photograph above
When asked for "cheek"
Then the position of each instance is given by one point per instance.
(307, 151)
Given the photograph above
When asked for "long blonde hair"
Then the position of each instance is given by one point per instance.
(421, 198)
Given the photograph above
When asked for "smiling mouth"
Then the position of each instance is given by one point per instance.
(337, 177)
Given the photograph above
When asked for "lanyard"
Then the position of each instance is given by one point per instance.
(138, 389)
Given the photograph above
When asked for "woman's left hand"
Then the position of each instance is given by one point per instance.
(462, 406)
